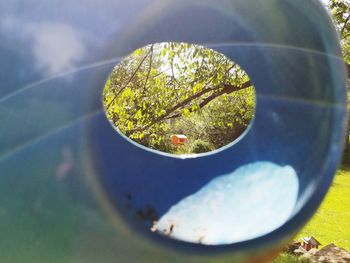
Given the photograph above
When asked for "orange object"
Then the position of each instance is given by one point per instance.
(178, 139)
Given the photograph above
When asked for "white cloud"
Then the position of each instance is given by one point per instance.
(56, 47)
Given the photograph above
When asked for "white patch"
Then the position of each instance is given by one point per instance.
(250, 202)
(56, 47)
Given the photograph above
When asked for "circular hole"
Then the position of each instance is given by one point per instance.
(165, 92)
(179, 98)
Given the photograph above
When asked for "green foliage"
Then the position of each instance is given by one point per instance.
(340, 10)
(200, 146)
(288, 258)
(169, 88)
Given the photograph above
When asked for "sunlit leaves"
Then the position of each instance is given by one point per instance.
(161, 85)
(340, 10)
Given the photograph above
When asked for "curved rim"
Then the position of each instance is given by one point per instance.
(284, 232)
(194, 155)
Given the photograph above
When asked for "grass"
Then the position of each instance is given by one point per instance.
(331, 223)
(288, 258)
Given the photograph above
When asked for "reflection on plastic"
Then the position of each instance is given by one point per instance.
(250, 202)
(54, 136)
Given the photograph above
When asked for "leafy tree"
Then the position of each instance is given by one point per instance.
(340, 10)
(200, 146)
(181, 88)
(158, 88)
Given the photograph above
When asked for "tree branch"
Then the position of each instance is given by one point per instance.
(149, 70)
(130, 79)
(345, 24)
(173, 80)
(227, 88)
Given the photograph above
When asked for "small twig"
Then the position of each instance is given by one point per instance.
(149, 71)
(130, 79)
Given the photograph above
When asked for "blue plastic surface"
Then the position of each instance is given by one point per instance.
(62, 165)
